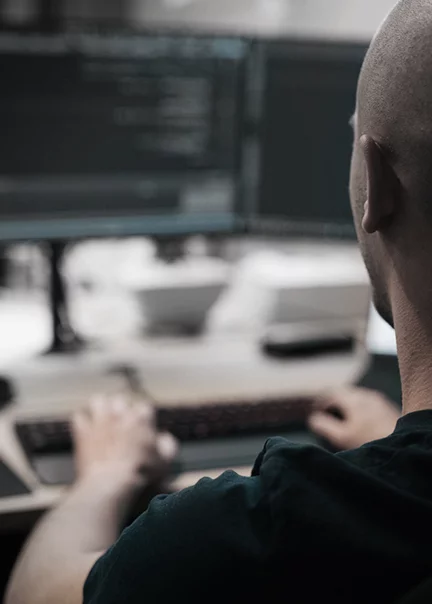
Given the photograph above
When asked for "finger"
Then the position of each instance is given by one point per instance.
(340, 400)
(145, 415)
(146, 411)
(138, 399)
(328, 403)
(79, 423)
(98, 406)
(322, 402)
(167, 447)
(328, 427)
(120, 404)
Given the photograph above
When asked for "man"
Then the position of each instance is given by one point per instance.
(308, 526)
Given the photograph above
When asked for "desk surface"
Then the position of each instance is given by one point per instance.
(173, 370)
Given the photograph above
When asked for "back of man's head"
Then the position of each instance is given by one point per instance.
(391, 179)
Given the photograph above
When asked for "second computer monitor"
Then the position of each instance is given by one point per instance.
(307, 98)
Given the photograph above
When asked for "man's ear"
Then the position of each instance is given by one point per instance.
(381, 202)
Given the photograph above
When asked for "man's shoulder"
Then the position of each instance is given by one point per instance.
(280, 466)
(298, 499)
(286, 476)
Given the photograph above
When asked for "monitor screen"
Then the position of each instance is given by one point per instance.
(105, 134)
(307, 99)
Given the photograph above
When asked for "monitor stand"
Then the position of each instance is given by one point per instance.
(65, 340)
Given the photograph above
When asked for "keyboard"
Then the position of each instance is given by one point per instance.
(48, 443)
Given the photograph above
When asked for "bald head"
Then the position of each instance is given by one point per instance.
(395, 94)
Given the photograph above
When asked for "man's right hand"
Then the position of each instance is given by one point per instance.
(349, 418)
(117, 439)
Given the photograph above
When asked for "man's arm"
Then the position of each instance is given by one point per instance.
(66, 544)
(114, 444)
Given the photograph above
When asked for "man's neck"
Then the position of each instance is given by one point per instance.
(414, 340)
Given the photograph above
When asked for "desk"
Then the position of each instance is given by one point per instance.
(174, 370)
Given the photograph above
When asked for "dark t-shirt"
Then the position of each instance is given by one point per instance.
(308, 526)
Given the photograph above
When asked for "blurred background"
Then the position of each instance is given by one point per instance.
(250, 156)
(175, 220)
(356, 19)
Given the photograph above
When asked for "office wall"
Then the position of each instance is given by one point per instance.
(352, 19)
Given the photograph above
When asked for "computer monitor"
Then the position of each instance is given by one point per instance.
(307, 95)
(106, 134)
(120, 134)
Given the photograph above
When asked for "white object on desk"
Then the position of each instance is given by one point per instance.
(332, 285)
(178, 294)
(303, 283)
(381, 338)
(25, 328)
(103, 264)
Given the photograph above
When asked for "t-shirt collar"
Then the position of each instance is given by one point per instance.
(417, 419)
